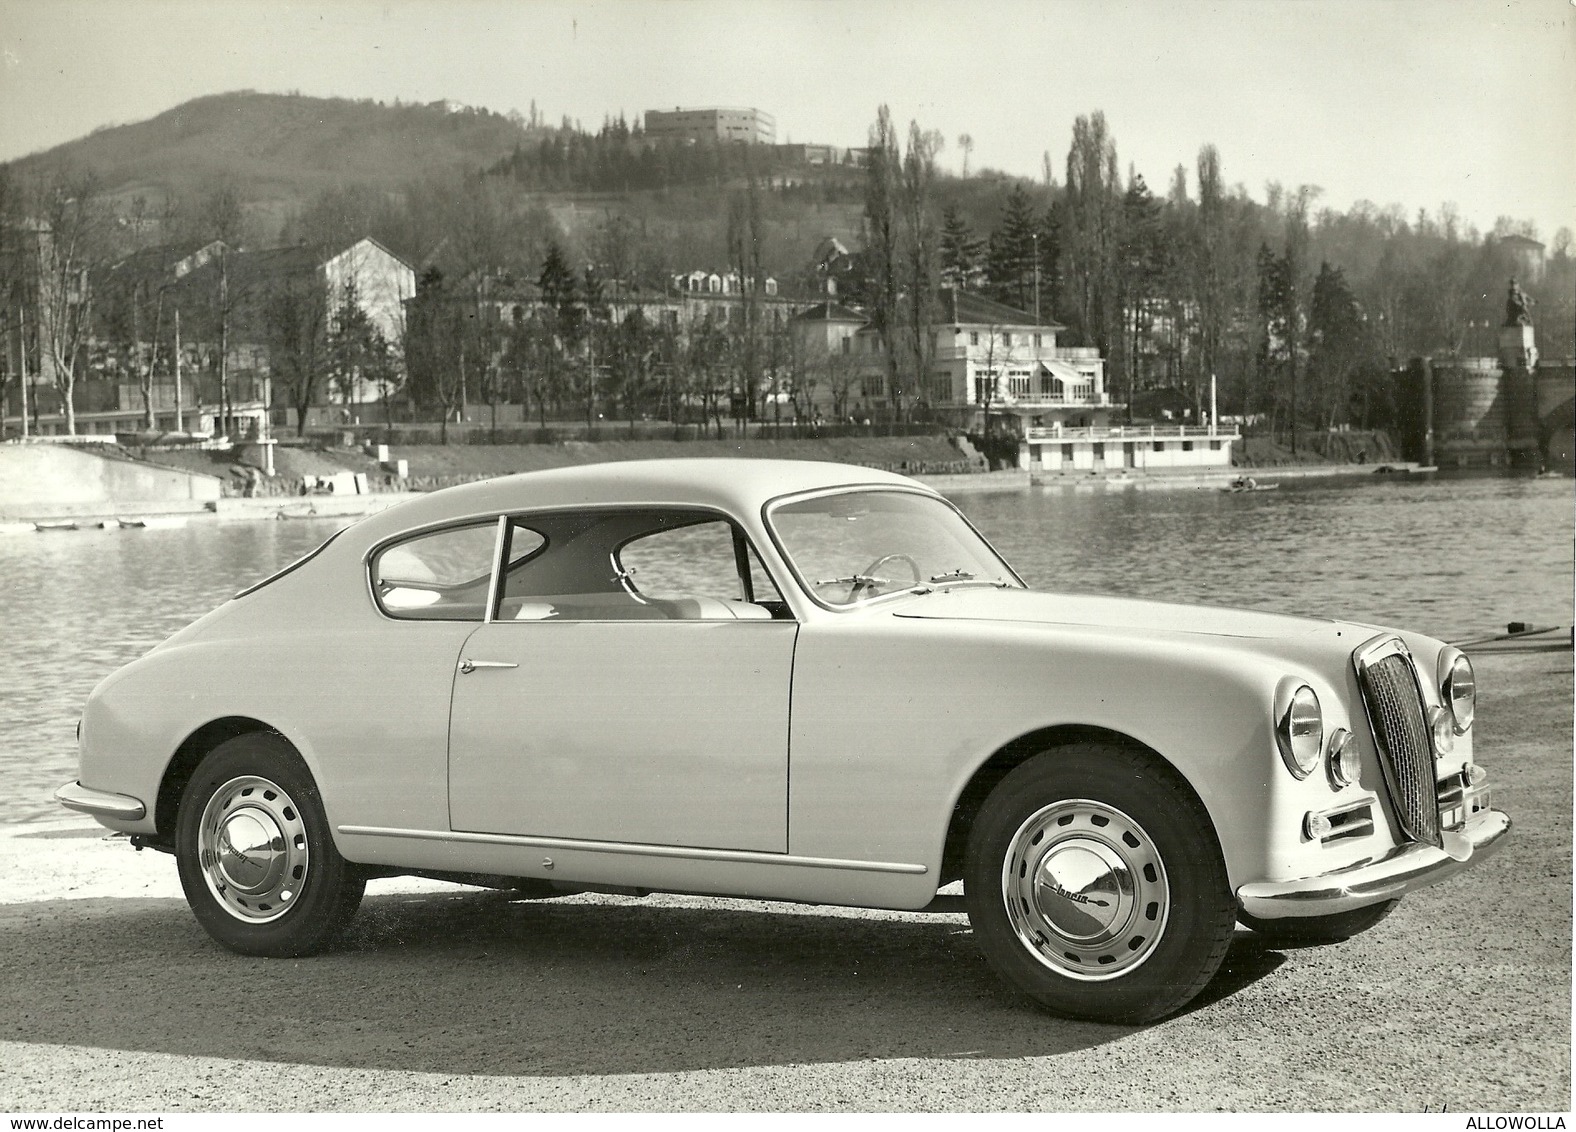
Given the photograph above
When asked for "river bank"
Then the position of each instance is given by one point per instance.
(231, 508)
(452, 999)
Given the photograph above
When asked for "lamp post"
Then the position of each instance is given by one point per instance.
(1035, 238)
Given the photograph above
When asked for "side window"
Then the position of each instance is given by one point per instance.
(647, 564)
(693, 561)
(440, 576)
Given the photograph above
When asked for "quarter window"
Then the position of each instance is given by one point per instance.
(439, 576)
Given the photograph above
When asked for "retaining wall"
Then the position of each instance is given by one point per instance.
(42, 479)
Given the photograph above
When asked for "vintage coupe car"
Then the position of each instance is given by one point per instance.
(785, 681)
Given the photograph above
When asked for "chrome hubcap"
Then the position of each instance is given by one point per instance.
(1085, 890)
(252, 847)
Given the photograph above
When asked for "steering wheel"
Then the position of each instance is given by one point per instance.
(869, 571)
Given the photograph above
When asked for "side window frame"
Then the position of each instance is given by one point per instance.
(743, 549)
(489, 607)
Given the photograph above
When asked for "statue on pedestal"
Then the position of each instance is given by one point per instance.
(1518, 307)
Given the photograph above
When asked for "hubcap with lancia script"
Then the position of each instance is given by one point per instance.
(1085, 889)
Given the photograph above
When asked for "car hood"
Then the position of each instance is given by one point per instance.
(1095, 611)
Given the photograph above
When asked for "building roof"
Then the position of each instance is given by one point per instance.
(964, 309)
(830, 312)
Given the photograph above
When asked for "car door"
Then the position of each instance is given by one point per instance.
(626, 688)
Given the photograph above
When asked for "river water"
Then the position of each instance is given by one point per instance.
(1453, 557)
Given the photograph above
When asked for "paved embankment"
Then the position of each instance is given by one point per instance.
(111, 997)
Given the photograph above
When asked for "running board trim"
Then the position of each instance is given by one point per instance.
(672, 852)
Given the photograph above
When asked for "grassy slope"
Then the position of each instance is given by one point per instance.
(283, 146)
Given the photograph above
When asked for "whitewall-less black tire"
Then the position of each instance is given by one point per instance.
(1095, 884)
(256, 859)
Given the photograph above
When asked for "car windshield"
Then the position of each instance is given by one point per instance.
(853, 546)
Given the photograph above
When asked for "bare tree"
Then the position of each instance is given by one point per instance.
(966, 144)
(68, 240)
(921, 252)
(296, 324)
(882, 177)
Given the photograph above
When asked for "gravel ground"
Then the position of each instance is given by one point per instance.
(111, 997)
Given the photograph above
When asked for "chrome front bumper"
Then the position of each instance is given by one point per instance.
(100, 803)
(1403, 870)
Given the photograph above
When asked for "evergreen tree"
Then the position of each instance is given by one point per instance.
(960, 252)
(1010, 260)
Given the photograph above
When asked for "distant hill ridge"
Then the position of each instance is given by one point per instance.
(286, 147)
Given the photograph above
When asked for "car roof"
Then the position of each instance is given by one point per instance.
(736, 486)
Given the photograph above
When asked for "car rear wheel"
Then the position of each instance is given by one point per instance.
(256, 859)
(1302, 931)
(1095, 884)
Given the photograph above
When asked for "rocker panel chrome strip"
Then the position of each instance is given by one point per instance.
(731, 856)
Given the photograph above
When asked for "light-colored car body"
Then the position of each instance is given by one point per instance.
(826, 754)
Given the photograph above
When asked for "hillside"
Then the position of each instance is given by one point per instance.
(284, 148)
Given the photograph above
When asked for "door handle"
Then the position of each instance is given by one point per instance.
(467, 666)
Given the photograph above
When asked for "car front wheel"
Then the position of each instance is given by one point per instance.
(1095, 884)
(256, 860)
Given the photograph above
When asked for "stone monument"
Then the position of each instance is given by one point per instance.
(1518, 359)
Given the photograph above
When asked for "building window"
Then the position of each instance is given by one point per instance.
(1018, 386)
(1036, 341)
(1187, 446)
(1067, 453)
(1160, 446)
(1214, 446)
(1006, 338)
(974, 338)
(848, 345)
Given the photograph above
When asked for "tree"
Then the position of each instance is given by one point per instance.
(561, 322)
(1141, 272)
(966, 144)
(920, 239)
(596, 323)
(1091, 231)
(350, 344)
(67, 243)
(883, 173)
(1011, 260)
(1337, 343)
(295, 318)
(960, 252)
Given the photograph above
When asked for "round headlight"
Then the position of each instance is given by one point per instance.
(1458, 690)
(1299, 732)
(1343, 762)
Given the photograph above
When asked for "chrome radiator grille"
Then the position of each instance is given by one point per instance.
(1395, 711)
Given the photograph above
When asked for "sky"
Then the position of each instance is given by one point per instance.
(1415, 102)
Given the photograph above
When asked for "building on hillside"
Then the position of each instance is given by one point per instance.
(1527, 254)
(712, 124)
(211, 293)
(802, 153)
(995, 369)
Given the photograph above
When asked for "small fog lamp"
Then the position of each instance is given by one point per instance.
(1343, 760)
(1443, 725)
(1299, 727)
(1318, 827)
(1458, 689)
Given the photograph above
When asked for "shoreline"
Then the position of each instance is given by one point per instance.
(271, 507)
